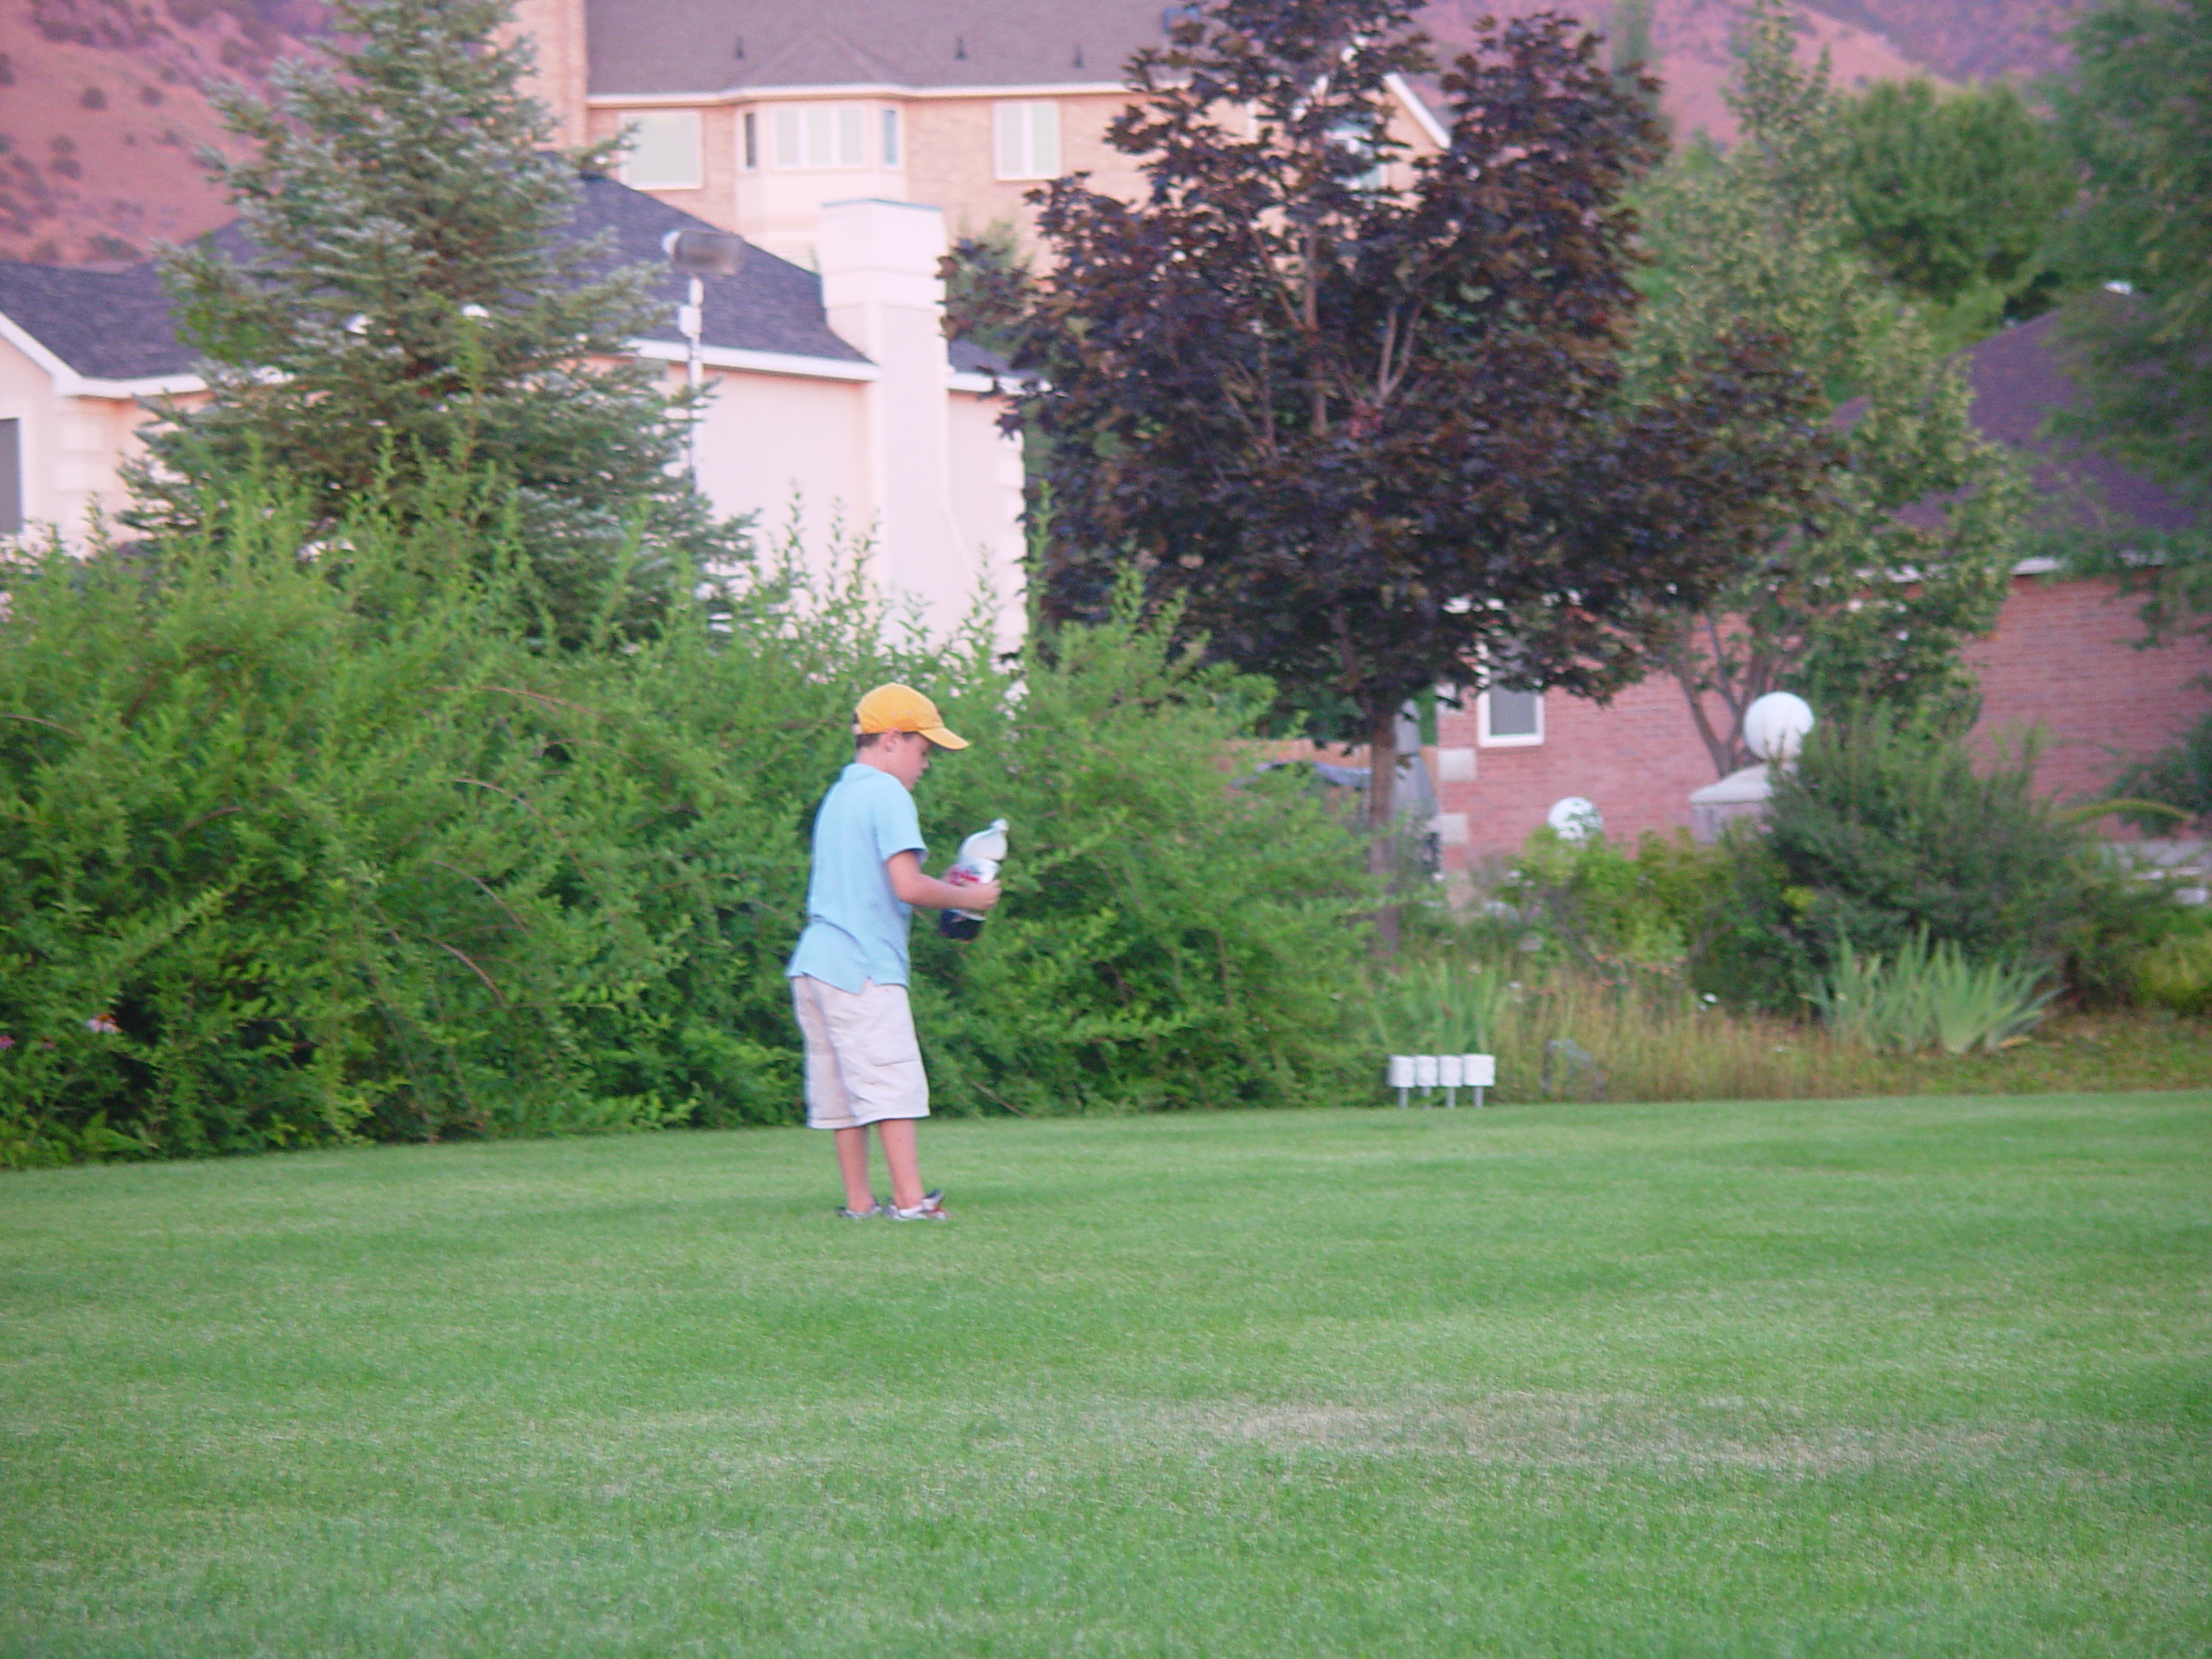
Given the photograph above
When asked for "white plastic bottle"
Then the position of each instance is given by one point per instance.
(981, 854)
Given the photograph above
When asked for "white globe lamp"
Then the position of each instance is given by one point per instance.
(1774, 725)
(1575, 817)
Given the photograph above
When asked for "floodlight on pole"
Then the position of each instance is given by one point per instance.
(698, 254)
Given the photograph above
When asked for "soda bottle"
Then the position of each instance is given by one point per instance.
(979, 857)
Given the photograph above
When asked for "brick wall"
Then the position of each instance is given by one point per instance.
(2061, 657)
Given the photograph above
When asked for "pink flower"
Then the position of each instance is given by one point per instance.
(104, 1024)
(6, 1041)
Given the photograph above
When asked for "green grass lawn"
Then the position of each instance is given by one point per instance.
(1884, 1378)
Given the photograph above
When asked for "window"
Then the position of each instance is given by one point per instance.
(1028, 140)
(11, 477)
(663, 150)
(1509, 719)
(1358, 142)
(749, 134)
(891, 137)
(821, 135)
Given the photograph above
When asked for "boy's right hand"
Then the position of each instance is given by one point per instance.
(981, 897)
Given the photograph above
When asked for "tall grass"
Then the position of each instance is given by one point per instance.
(1581, 1039)
(1441, 1006)
(1930, 995)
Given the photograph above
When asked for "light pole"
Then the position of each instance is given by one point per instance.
(699, 254)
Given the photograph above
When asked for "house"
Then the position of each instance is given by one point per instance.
(834, 392)
(753, 117)
(2061, 660)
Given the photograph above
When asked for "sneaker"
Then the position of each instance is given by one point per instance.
(931, 1208)
(879, 1208)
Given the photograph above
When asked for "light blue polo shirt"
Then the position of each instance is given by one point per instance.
(855, 925)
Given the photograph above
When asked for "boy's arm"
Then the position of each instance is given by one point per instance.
(927, 892)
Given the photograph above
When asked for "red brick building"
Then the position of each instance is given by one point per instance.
(2062, 658)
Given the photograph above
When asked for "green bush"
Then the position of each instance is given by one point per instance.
(1668, 915)
(304, 843)
(2178, 777)
(1883, 833)
(1174, 936)
(2175, 973)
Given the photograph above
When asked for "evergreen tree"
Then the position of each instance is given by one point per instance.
(1849, 603)
(402, 297)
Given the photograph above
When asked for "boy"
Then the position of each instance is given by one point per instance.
(849, 974)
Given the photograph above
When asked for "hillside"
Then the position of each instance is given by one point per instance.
(1866, 40)
(102, 112)
(102, 109)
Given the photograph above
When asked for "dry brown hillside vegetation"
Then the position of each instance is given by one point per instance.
(102, 111)
(1866, 40)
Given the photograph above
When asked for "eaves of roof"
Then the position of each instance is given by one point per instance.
(112, 334)
(113, 327)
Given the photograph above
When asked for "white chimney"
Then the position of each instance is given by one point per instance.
(881, 289)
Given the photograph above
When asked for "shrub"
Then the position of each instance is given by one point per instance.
(2177, 778)
(2177, 972)
(307, 842)
(291, 856)
(1173, 936)
(1672, 914)
(1881, 833)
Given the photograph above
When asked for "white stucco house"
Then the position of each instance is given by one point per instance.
(834, 389)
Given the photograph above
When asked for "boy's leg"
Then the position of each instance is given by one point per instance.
(852, 1164)
(899, 1153)
(828, 1104)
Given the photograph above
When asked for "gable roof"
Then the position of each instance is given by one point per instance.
(771, 305)
(119, 325)
(2018, 378)
(104, 324)
(665, 48)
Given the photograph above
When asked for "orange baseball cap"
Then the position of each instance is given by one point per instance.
(902, 708)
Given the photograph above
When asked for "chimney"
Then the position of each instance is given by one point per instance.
(882, 294)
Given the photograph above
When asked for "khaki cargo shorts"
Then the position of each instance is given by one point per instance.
(862, 1063)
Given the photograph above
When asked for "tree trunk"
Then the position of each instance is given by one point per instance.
(1382, 818)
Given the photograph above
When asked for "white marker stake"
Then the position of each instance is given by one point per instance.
(1401, 1076)
(1450, 1071)
(1424, 1074)
(1480, 1072)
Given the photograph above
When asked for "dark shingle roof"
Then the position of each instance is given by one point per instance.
(771, 305)
(119, 325)
(968, 357)
(107, 325)
(647, 47)
(2017, 382)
